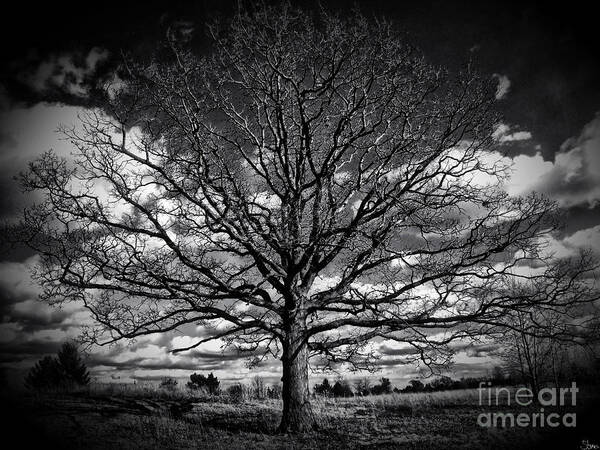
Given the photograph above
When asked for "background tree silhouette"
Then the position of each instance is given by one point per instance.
(210, 383)
(73, 367)
(46, 374)
(341, 388)
(324, 388)
(362, 386)
(63, 371)
(539, 345)
(384, 387)
(309, 183)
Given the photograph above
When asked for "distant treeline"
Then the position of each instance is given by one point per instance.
(445, 383)
(362, 387)
(210, 385)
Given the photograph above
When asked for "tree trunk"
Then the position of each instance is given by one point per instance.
(297, 411)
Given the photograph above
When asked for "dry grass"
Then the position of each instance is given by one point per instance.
(142, 416)
(140, 390)
(413, 400)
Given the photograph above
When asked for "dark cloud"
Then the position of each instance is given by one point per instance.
(221, 356)
(10, 294)
(581, 217)
(11, 251)
(198, 360)
(549, 55)
(480, 351)
(10, 203)
(470, 369)
(158, 363)
(391, 362)
(27, 350)
(522, 147)
(74, 73)
(472, 350)
(142, 363)
(20, 305)
(32, 320)
(71, 32)
(405, 351)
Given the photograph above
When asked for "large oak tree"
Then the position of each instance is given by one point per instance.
(307, 184)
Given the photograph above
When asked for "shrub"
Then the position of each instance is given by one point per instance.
(74, 369)
(414, 386)
(384, 387)
(238, 393)
(259, 389)
(341, 388)
(274, 391)
(210, 383)
(445, 383)
(168, 383)
(442, 383)
(363, 387)
(324, 388)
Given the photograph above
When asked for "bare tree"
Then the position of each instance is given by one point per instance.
(362, 386)
(540, 343)
(258, 387)
(307, 185)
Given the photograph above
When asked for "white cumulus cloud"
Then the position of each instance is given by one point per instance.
(572, 179)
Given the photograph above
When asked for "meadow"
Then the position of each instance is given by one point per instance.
(145, 416)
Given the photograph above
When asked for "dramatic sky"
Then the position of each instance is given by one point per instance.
(544, 60)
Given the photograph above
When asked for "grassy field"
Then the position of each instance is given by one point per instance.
(128, 417)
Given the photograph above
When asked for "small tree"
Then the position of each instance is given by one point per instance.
(259, 389)
(274, 391)
(341, 388)
(324, 388)
(238, 393)
(414, 386)
(498, 375)
(196, 381)
(213, 384)
(442, 383)
(65, 370)
(73, 367)
(210, 383)
(363, 387)
(385, 387)
(46, 374)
